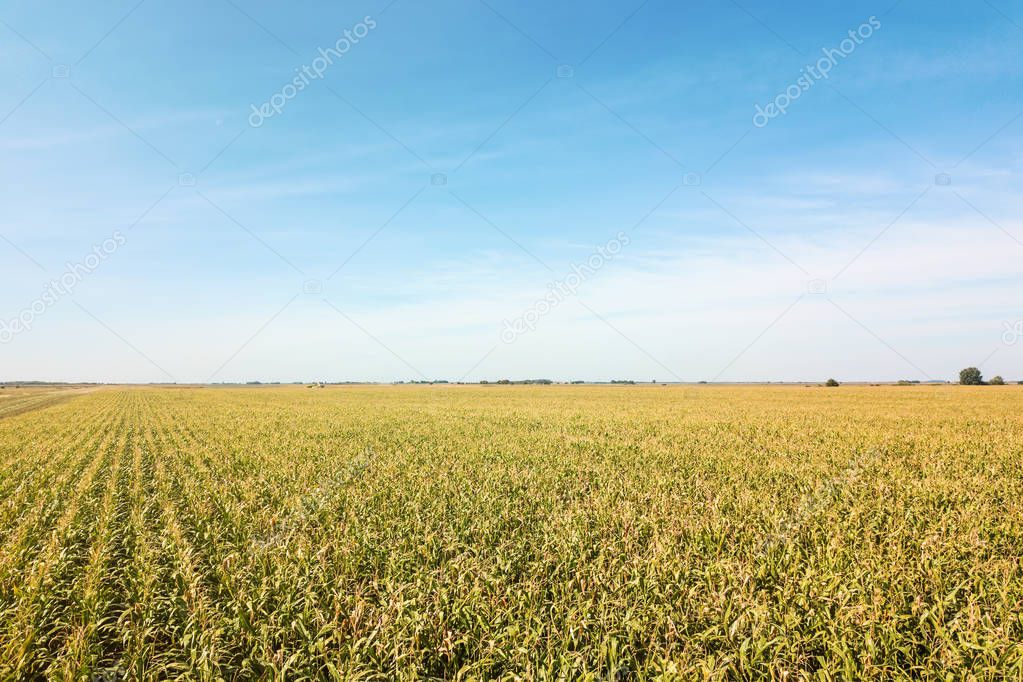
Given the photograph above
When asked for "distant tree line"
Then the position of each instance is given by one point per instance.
(971, 376)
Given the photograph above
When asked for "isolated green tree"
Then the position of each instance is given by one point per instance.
(997, 381)
(971, 376)
(831, 382)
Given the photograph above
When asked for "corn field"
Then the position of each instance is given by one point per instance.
(512, 532)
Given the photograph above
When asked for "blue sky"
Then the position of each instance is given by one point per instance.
(460, 157)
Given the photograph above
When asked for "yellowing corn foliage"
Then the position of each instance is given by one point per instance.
(512, 532)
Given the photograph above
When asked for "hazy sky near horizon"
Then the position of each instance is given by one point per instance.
(223, 202)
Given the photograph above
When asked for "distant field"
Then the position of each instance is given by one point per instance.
(481, 532)
(15, 400)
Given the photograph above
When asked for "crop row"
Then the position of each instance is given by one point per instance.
(540, 532)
